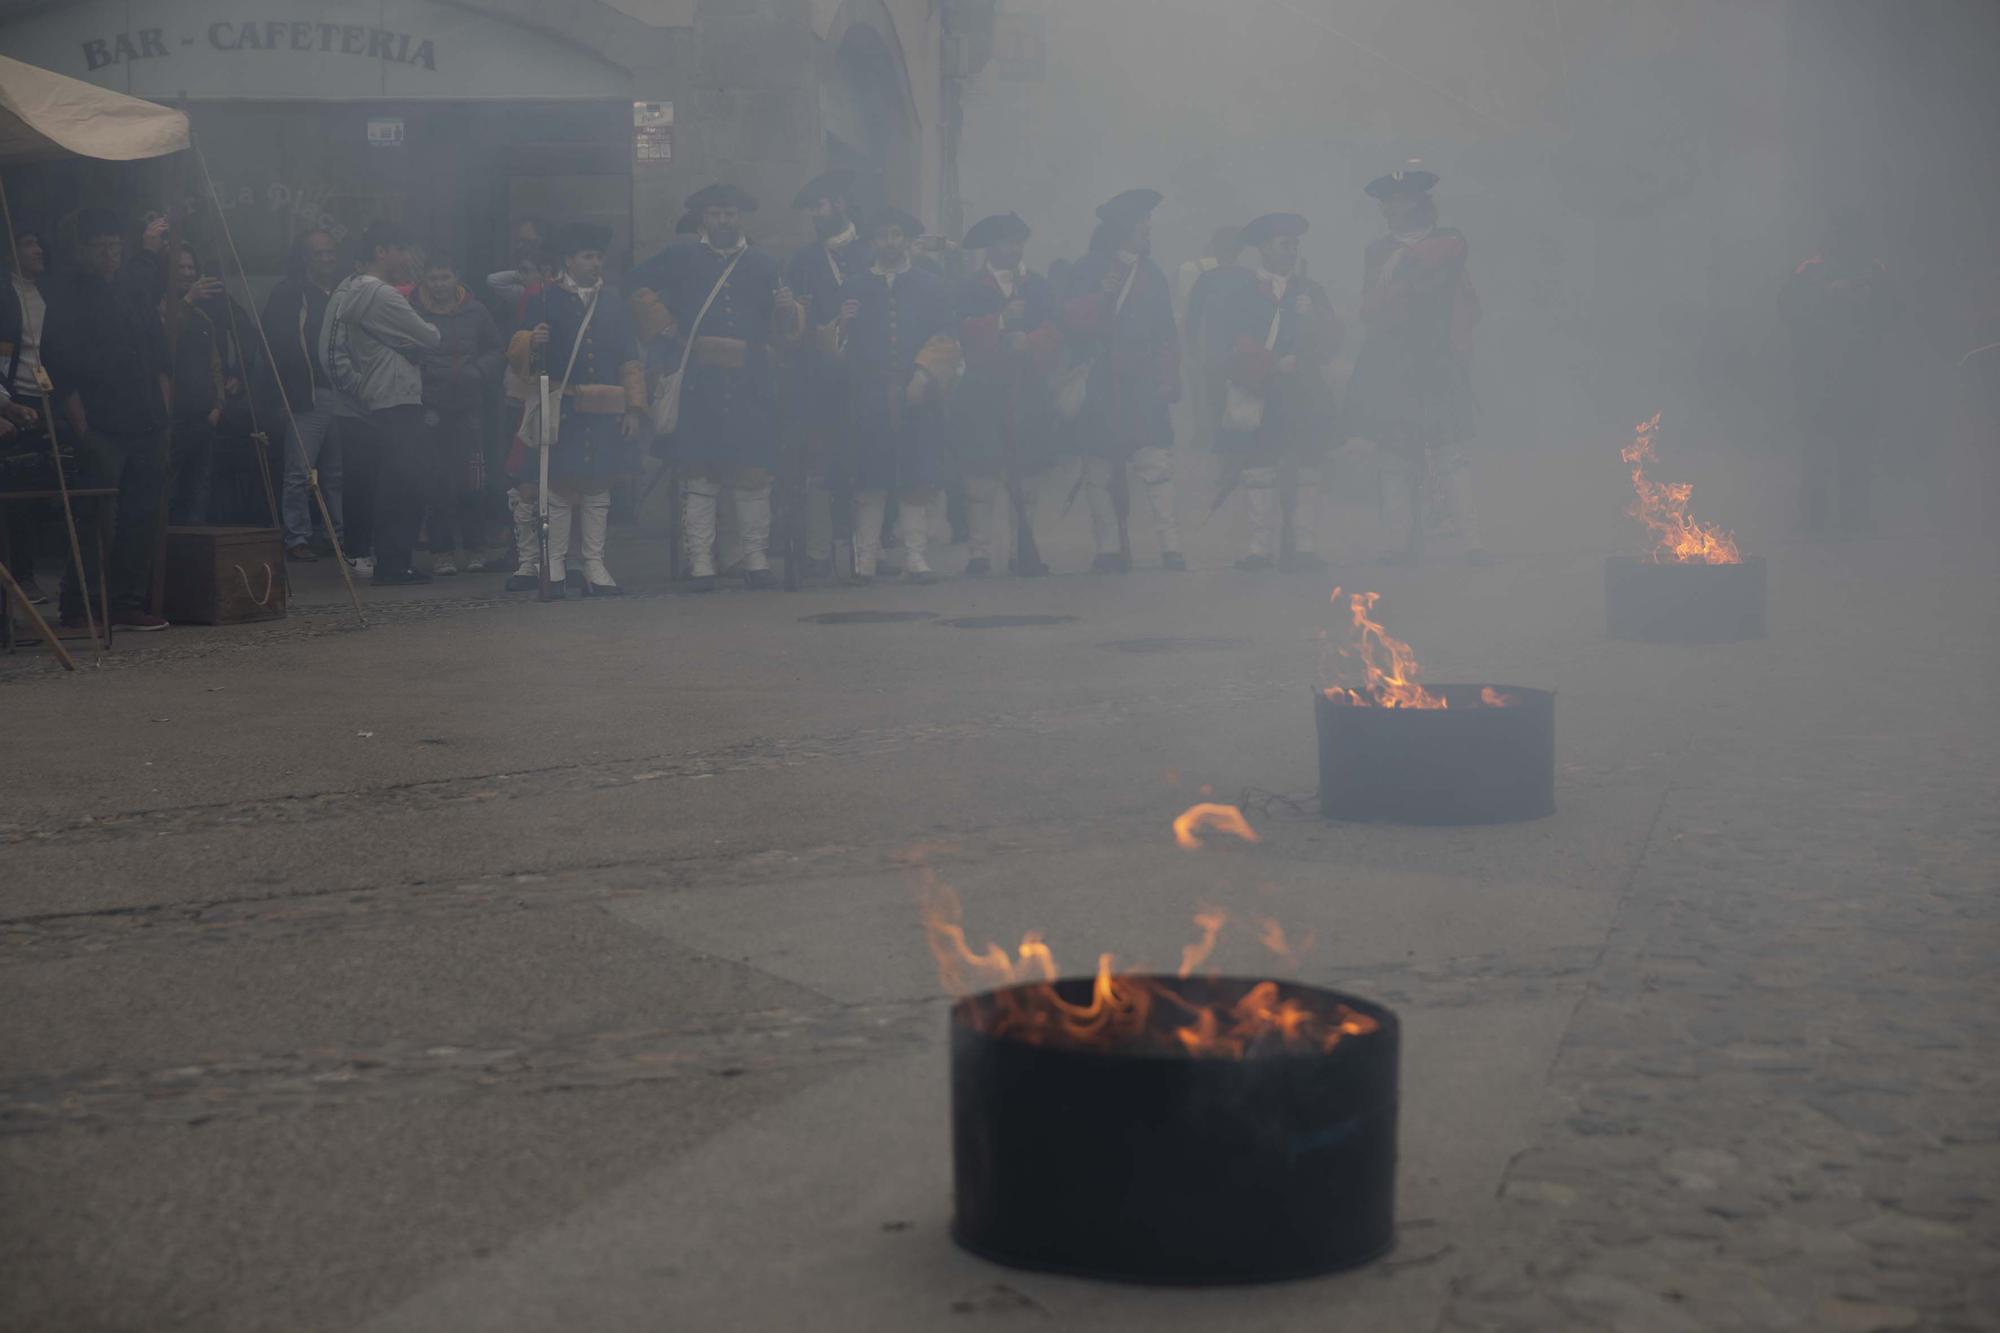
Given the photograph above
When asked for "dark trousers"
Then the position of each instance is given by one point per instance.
(361, 452)
(136, 465)
(193, 471)
(1833, 473)
(455, 518)
(401, 484)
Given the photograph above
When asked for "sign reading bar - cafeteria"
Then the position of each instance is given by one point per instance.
(306, 50)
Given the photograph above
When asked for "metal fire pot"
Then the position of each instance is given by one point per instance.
(1150, 1166)
(1467, 763)
(1676, 603)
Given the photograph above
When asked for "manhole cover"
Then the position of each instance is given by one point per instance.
(1004, 622)
(1180, 643)
(866, 617)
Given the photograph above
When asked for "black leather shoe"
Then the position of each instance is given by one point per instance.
(1306, 562)
(1256, 564)
(978, 567)
(1110, 562)
(1035, 570)
(762, 580)
(1173, 560)
(602, 589)
(702, 583)
(522, 583)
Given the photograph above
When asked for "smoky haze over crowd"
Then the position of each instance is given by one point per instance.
(1636, 181)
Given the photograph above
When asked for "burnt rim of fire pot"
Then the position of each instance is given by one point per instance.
(1005, 622)
(866, 617)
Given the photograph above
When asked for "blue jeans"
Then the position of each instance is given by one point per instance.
(312, 443)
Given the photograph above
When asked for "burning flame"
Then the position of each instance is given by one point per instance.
(1662, 507)
(1390, 664)
(1207, 815)
(1127, 1008)
(1492, 698)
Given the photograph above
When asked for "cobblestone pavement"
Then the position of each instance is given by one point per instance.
(461, 974)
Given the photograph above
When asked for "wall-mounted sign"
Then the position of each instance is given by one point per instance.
(385, 132)
(653, 132)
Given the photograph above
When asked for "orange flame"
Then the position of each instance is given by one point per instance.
(1207, 815)
(1273, 937)
(1662, 507)
(1125, 1008)
(1492, 698)
(1390, 664)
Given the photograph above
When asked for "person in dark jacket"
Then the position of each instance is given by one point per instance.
(1120, 306)
(292, 318)
(1269, 337)
(1839, 306)
(728, 429)
(815, 274)
(569, 327)
(1411, 392)
(106, 352)
(902, 361)
(195, 358)
(24, 406)
(458, 377)
(1009, 330)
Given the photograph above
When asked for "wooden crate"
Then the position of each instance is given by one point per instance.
(224, 576)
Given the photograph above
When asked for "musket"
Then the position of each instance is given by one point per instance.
(791, 470)
(542, 591)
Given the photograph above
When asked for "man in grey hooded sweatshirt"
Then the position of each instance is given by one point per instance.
(365, 347)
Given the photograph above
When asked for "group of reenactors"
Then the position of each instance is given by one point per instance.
(861, 381)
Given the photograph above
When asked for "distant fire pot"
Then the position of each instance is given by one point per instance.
(1485, 755)
(1672, 602)
(1167, 1155)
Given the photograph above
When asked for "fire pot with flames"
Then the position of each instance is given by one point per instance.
(1234, 1131)
(1487, 757)
(1393, 748)
(1692, 584)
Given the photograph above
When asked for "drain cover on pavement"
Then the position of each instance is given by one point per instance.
(1004, 622)
(866, 617)
(1180, 643)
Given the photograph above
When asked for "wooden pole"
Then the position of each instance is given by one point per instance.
(35, 617)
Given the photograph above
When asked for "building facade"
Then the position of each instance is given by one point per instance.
(455, 116)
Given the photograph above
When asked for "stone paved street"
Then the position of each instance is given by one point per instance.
(508, 967)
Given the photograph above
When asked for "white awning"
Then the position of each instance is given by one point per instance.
(48, 115)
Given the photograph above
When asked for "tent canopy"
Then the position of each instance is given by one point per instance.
(47, 115)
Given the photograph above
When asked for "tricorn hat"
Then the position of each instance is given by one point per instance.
(996, 230)
(835, 184)
(1410, 178)
(1263, 229)
(574, 236)
(721, 196)
(894, 217)
(1130, 207)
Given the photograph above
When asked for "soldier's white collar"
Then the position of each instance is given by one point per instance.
(742, 242)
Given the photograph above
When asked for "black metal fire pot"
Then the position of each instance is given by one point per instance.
(1468, 763)
(1163, 1167)
(1675, 603)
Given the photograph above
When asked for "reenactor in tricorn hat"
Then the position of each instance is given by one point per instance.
(1120, 312)
(1007, 324)
(718, 306)
(815, 274)
(1410, 393)
(902, 360)
(1272, 334)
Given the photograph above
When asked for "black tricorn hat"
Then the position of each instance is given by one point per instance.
(1263, 229)
(689, 224)
(1410, 178)
(721, 196)
(996, 230)
(835, 184)
(894, 217)
(1125, 209)
(574, 236)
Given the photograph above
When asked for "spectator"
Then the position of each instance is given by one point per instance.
(24, 387)
(106, 351)
(293, 317)
(457, 376)
(366, 348)
(195, 369)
